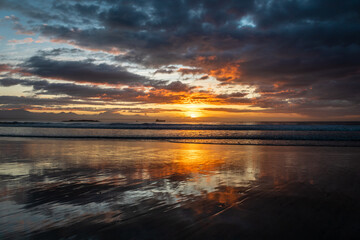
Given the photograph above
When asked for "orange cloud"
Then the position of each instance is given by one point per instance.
(169, 97)
(212, 66)
(206, 58)
(228, 73)
(21, 41)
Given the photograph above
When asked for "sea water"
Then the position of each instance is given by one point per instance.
(154, 181)
(274, 133)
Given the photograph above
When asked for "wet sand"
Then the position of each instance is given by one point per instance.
(117, 189)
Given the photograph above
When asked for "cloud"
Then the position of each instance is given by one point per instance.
(164, 71)
(75, 90)
(81, 71)
(177, 87)
(173, 92)
(7, 82)
(204, 77)
(22, 114)
(293, 53)
(230, 110)
(4, 67)
(59, 51)
(21, 102)
(21, 41)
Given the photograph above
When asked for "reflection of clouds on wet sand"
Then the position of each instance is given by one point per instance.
(134, 188)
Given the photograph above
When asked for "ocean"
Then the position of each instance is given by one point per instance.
(271, 133)
(81, 180)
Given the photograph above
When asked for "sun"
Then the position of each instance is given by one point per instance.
(192, 111)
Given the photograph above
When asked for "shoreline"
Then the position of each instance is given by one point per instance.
(246, 142)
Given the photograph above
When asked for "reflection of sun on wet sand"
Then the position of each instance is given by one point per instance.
(130, 188)
(225, 195)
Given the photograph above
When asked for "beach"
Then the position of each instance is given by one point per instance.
(162, 120)
(65, 188)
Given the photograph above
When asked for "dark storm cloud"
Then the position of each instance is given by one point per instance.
(177, 87)
(164, 71)
(8, 82)
(84, 10)
(59, 51)
(7, 100)
(75, 90)
(31, 10)
(15, 102)
(204, 77)
(279, 12)
(81, 71)
(232, 95)
(53, 11)
(293, 52)
(22, 114)
(236, 98)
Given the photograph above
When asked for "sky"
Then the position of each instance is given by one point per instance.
(180, 60)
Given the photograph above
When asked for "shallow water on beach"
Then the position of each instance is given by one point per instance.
(134, 189)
